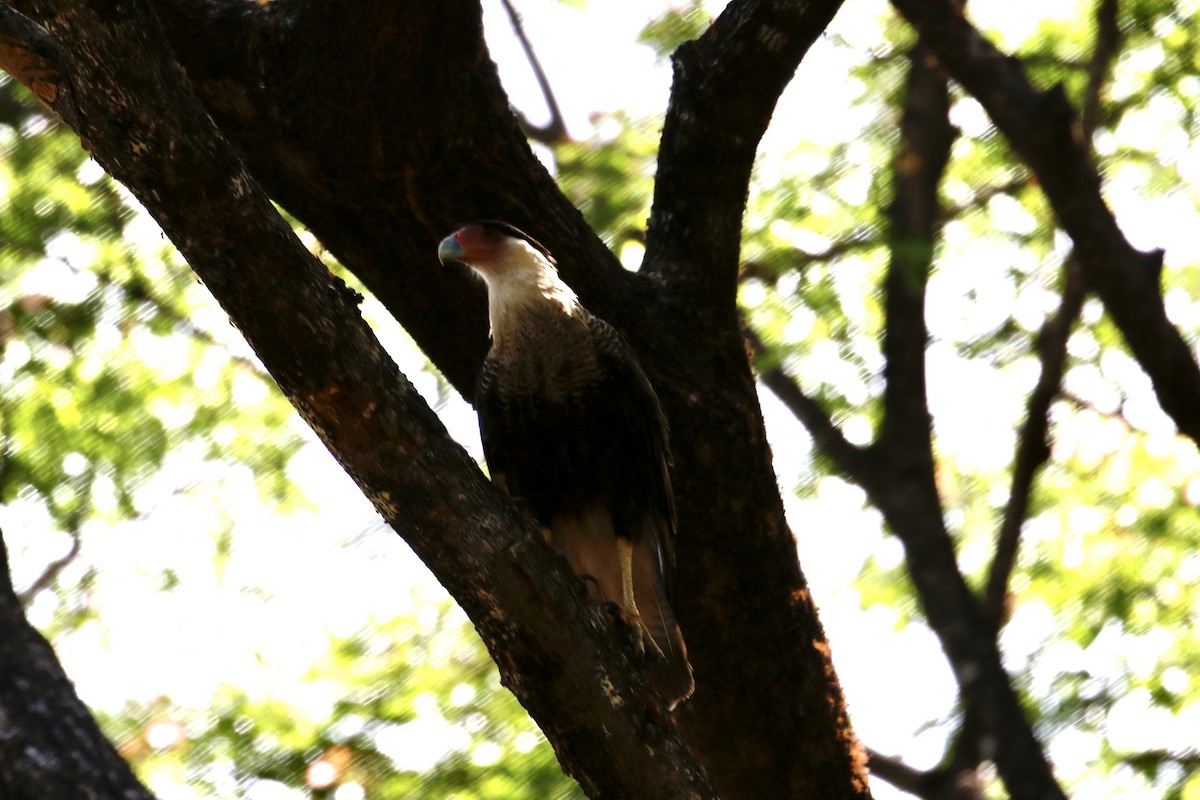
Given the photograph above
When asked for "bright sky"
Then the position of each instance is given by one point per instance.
(213, 630)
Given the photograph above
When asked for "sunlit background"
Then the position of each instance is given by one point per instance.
(243, 625)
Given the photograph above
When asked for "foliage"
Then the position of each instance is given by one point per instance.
(675, 26)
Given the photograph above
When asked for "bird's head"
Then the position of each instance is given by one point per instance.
(495, 250)
(519, 272)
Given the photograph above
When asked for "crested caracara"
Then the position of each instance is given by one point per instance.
(573, 431)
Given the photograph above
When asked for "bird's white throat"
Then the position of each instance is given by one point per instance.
(522, 286)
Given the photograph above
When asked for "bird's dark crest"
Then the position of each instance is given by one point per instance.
(515, 232)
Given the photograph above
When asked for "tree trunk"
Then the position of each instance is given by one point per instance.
(50, 747)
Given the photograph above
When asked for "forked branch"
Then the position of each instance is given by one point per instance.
(726, 85)
(1043, 129)
(554, 131)
(1033, 447)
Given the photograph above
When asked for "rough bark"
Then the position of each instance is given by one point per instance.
(50, 747)
(726, 86)
(725, 89)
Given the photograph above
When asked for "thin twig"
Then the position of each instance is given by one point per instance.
(897, 773)
(864, 240)
(50, 573)
(801, 260)
(829, 440)
(554, 131)
(943, 783)
(1188, 759)
(1108, 39)
(1033, 446)
(983, 196)
(181, 321)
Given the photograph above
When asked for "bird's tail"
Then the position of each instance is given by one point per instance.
(667, 670)
(590, 544)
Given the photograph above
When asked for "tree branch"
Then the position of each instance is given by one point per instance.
(849, 458)
(926, 137)
(726, 85)
(418, 144)
(903, 484)
(1108, 39)
(1042, 129)
(554, 131)
(897, 472)
(1033, 447)
(50, 573)
(864, 241)
(149, 131)
(898, 774)
(801, 260)
(944, 783)
(453, 151)
(51, 748)
(1188, 759)
(984, 196)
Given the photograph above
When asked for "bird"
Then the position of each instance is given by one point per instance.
(573, 431)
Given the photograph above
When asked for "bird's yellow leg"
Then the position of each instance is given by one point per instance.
(625, 550)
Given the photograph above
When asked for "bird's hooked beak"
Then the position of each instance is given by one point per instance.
(449, 250)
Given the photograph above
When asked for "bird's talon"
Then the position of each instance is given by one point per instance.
(629, 631)
(636, 650)
(591, 586)
(636, 647)
(615, 611)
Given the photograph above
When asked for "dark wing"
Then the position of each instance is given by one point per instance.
(650, 519)
(643, 482)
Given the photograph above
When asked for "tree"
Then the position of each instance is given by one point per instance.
(384, 175)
